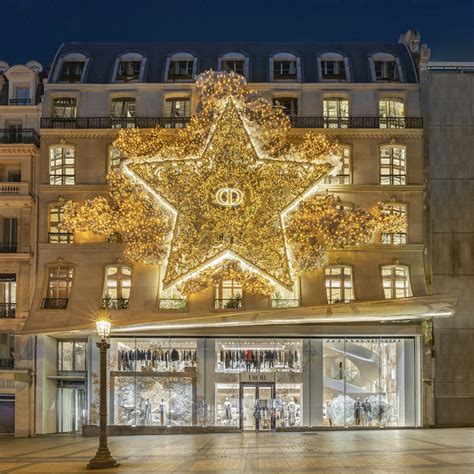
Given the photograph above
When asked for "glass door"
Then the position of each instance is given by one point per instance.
(249, 399)
(265, 407)
(70, 409)
(257, 407)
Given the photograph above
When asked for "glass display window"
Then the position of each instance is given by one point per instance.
(288, 405)
(227, 405)
(258, 355)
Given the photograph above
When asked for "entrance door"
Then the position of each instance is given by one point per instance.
(7, 414)
(70, 409)
(257, 406)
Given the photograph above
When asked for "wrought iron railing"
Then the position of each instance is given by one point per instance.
(61, 237)
(20, 101)
(7, 310)
(173, 303)
(7, 363)
(285, 303)
(115, 303)
(8, 248)
(19, 136)
(356, 122)
(55, 303)
(228, 303)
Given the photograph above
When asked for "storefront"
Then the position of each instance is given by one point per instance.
(256, 383)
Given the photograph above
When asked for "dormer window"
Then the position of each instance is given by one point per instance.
(333, 67)
(129, 67)
(285, 67)
(385, 67)
(22, 95)
(71, 68)
(181, 67)
(234, 62)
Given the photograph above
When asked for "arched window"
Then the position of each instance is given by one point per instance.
(399, 211)
(393, 165)
(385, 67)
(71, 68)
(333, 67)
(396, 281)
(129, 67)
(285, 67)
(339, 284)
(56, 233)
(59, 287)
(62, 165)
(117, 285)
(235, 62)
(180, 67)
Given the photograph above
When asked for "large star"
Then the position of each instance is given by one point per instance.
(229, 203)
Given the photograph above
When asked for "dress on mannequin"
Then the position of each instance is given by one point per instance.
(162, 412)
(292, 412)
(147, 412)
(357, 407)
(367, 410)
(227, 409)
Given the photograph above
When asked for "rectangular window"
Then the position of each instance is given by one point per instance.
(7, 295)
(288, 104)
(344, 174)
(22, 96)
(393, 165)
(391, 113)
(10, 235)
(335, 70)
(396, 282)
(123, 112)
(72, 356)
(64, 108)
(118, 282)
(395, 238)
(128, 71)
(113, 158)
(177, 112)
(336, 113)
(62, 165)
(339, 286)
(71, 71)
(59, 287)
(57, 234)
(284, 70)
(386, 71)
(228, 295)
(180, 71)
(233, 65)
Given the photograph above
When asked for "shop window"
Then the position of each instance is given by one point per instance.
(336, 112)
(177, 112)
(339, 284)
(285, 67)
(333, 67)
(288, 104)
(396, 281)
(234, 62)
(385, 68)
(397, 210)
(59, 287)
(118, 282)
(62, 165)
(57, 234)
(10, 235)
(181, 67)
(228, 295)
(113, 159)
(123, 112)
(393, 165)
(7, 295)
(72, 356)
(391, 113)
(65, 108)
(344, 175)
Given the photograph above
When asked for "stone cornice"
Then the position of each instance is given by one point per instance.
(18, 150)
(73, 189)
(373, 188)
(9, 200)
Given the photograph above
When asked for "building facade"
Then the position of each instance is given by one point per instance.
(20, 110)
(349, 345)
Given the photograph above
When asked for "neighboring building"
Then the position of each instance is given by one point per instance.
(448, 99)
(20, 110)
(359, 328)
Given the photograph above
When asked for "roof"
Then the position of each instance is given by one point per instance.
(103, 56)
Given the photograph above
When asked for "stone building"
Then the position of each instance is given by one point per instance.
(348, 345)
(20, 110)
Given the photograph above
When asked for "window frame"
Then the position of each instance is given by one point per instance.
(331, 56)
(236, 294)
(282, 57)
(342, 288)
(342, 178)
(62, 236)
(72, 58)
(391, 237)
(234, 56)
(64, 106)
(393, 278)
(121, 302)
(385, 57)
(70, 270)
(339, 120)
(402, 178)
(294, 100)
(174, 121)
(60, 364)
(182, 56)
(64, 181)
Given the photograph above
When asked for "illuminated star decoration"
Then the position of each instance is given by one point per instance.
(228, 202)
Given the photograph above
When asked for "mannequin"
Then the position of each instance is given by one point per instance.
(147, 412)
(357, 407)
(367, 410)
(162, 412)
(291, 412)
(227, 409)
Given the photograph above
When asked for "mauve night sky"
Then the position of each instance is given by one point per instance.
(34, 29)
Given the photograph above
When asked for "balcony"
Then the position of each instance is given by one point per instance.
(228, 303)
(14, 189)
(7, 310)
(114, 303)
(280, 303)
(20, 101)
(54, 303)
(24, 136)
(7, 363)
(8, 248)
(174, 304)
(356, 122)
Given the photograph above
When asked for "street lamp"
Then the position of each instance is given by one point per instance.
(103, 459)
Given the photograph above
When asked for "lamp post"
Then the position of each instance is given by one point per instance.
(103, 459)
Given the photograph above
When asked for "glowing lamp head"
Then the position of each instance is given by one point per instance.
(103, 324)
